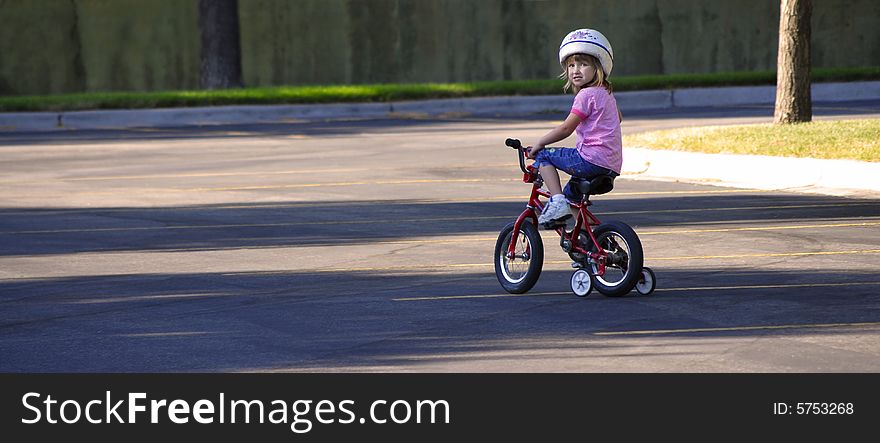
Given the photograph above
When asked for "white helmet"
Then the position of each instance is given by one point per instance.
(588, 41)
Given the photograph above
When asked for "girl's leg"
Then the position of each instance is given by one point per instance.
(557, 209)
(551, 179)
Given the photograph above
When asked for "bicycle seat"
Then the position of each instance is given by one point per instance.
(602, 184)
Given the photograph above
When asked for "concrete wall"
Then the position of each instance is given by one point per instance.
(39, 47)
(52, 46)
(139, 45)
(96, 45)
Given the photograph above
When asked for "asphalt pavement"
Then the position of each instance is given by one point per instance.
(366, 245)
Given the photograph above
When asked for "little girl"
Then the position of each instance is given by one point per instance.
(586, 58)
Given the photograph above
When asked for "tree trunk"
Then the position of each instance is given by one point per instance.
(220, 66)
(793, 98)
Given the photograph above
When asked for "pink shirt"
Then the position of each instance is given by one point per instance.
(598, 134)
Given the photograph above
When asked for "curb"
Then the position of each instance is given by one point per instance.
(494, 106)
(811, 175)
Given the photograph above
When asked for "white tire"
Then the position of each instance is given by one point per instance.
(581, 283)
(647, 282)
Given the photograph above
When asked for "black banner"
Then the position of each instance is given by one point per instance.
(434, 407)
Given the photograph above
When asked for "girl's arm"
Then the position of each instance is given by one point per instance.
(556, 134)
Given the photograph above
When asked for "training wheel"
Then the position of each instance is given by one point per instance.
(647, 282)
(581, 283)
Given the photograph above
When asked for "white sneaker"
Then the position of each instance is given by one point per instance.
(556, 210)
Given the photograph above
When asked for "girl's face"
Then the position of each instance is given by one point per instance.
(580, 73)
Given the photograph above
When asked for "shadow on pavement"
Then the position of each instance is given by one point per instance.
(295, 321)
(29, 232)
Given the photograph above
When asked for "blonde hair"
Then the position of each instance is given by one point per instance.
(598, 80)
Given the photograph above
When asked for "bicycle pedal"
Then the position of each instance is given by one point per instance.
(558, 223)
(553, 224)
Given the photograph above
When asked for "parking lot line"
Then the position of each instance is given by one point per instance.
(426, 201)
(424, 220)
(738, 328)
(769, 254)
(155, 190)
(685, 289)
(761, 228)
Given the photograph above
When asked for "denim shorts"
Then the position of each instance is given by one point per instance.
(569, 161)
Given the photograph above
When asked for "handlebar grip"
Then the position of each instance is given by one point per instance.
(520, 152)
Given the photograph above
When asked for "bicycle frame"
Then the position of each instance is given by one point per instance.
(585, 220)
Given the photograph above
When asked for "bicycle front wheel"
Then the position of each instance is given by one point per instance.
(519, 273)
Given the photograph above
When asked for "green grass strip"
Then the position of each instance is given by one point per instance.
(844, 139)
(394, 92)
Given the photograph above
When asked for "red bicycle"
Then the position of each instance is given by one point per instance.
(607, 255)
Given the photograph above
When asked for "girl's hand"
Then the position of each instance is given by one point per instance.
(532, 151)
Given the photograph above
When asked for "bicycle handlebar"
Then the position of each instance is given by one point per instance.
(516, 144)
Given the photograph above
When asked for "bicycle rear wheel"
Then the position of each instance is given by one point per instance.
(625, 258)
(519, 273)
